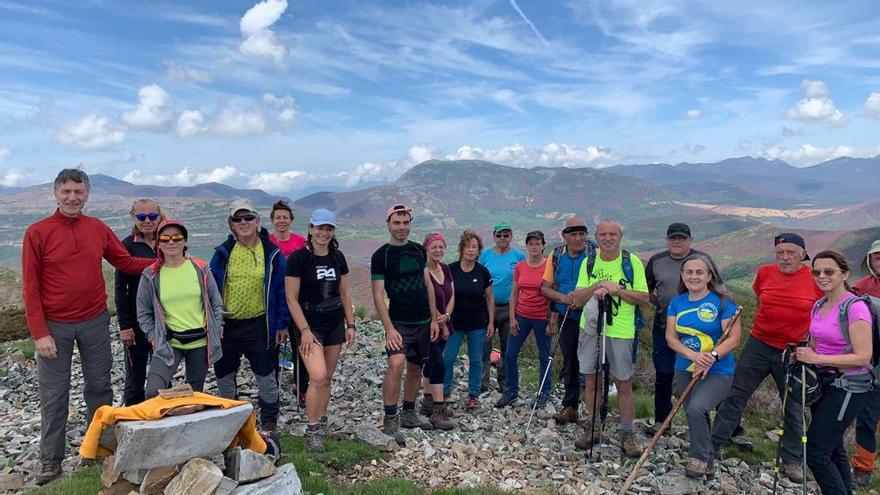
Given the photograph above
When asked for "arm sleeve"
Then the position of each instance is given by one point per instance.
(342, 263)
(639, 284)
(124, 311)
(859, 312)
(649, 274)
(583, 278)
(146, 318)
(548, 270)
(673, 307)
(119, 257)
(377, 265)
(756, 285)
(729, 308)
(487, 277)
(282, 313)
(215, 300)
(293, 268)
(31, 276)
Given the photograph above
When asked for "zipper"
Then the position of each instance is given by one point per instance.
(268, 291)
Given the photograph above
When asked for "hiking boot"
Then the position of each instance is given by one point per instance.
(860, 478)
(567, 415)
(270, 425)
(410, 419)
(628, 445)
(506, 399)
(391, 427)
(541, 401)
(472, 404)
(793, 472)
(696, 469)
(742, 444)
(301, 400)
(48, 473)
(651, 430)
(315, 438)
(440, 418)
(427, 406)
(585, 441)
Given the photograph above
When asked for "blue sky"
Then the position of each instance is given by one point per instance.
(285, 95)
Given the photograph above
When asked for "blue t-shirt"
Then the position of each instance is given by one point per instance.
(698, 324)
(501, 267)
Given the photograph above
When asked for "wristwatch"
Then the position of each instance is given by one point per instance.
(715, 355)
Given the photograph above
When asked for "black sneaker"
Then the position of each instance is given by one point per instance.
(506, 399)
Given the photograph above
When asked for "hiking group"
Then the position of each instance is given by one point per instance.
(812, 331)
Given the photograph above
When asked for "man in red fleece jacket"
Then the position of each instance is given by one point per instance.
(65, 301)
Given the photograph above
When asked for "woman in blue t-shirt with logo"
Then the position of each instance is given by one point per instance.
(695, 321)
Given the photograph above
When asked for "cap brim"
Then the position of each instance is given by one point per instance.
(319, 223)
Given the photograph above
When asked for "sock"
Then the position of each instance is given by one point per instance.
(626, 426)
(409, 405)
(313, 426)
(391, 410)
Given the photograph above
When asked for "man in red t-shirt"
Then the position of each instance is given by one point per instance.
(867, 420)
(786, 294)
(65, 303)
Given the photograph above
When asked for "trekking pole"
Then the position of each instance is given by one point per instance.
(296, 372)
(547, 371)
(666, 422)
(600, 364)
(804, 428)
(786, 364)
(606, 375)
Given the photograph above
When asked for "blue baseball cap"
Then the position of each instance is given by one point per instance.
(323, 217)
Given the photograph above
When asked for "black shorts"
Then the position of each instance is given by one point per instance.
(416, 342)
(331, 336)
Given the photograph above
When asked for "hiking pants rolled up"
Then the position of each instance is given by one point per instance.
(92, 338)
(502, 330)
(568, 345)
(137, 358)
(704, 397)
(248, 338)
(826, 452)
(664, 370)
(514, 345)
(475, 339)
(196, 361)
(756, 361)
(866, 433)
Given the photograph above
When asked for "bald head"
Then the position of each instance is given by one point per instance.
(574, 222)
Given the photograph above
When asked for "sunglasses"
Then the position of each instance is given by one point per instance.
(504, 235)
(828, 272)
(165, 238)
(144, 216)
(246, 218)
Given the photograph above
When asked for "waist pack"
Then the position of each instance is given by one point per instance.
(328, 306)
(872, 376)
(803, 376)
(185, 336)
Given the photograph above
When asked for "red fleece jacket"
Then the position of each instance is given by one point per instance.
(62, 278)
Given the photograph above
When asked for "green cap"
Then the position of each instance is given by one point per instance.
(502, 226)
(875, 247)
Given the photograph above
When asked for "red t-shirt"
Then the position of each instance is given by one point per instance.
(784, 305)
(294, 242)
(530, 303)
(868, 286)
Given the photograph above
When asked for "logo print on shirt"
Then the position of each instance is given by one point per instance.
(325, 273)
(707, 312)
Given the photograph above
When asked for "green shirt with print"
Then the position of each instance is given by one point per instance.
(624, 322)
(245, 295)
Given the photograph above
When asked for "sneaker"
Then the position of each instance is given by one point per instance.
(567, 415)
(585, 441)
(793, 472)
(410, 419)
(506, 399)
(427, 406)
(541, 401)
(742, 444)
(472, 404)
(697, 469)
(48, 473)
(440, 418)
(391, 427)
(860, 478)
(629, 446)
(651, 430)
(315, 438)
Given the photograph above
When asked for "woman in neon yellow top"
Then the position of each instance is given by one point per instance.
(180, 310)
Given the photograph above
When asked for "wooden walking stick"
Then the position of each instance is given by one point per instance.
(666, 422)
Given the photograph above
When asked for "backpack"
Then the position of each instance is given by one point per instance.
(557, 252)
(628, 274)
(873, 304)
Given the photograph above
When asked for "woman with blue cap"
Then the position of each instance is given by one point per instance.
(317, 288)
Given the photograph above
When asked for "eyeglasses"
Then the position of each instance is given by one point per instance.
(165, 238)
(246, 218)
(144, 216)
(828, 272)
(502, 235)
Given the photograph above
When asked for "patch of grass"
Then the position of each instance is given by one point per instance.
(25, 345)
(81, 482)
(13, 325)
(361, 312)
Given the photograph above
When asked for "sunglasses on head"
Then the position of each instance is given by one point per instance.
(246, 218)
(828, 272)
(502, 235)
(165, 238)
(144, 216)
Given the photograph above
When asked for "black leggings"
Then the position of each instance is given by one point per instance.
(435, 369)
(826, 453)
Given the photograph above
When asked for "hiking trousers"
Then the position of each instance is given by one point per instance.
(92, 339)
(137, 358)
(704, 397)
(867, 426)
(664, 369)
(571, 369)
(826, 452)
(756, 361)
(502, 329)
(248, 338)
(196, 370)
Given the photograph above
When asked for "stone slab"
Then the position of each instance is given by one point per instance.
(198, 477)
(226, 486)
(157, 479)
(174, 440)
(285, 482)
(245, 465)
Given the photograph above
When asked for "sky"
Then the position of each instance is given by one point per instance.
(286, 95)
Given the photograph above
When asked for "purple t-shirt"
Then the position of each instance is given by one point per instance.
(825, 328)
(443, 292)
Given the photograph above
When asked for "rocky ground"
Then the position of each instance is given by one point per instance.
(488, 447)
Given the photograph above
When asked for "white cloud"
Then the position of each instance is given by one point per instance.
(187, 177)
(744, 145)
(872, 106)
(549, 155)
(235, 123)
(190, 123)
(285, 105)
(187, 73)
(151, 111)
(807, 154)
(817, 106)
(279, 182)
(693, 114)
(381, 171)
(4, 154)
(92, 131)
(12, 178)
(259, 40)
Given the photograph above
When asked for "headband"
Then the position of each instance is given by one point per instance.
(575, 228)
(434, 236)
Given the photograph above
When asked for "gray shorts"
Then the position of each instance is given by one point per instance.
(618, 354)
